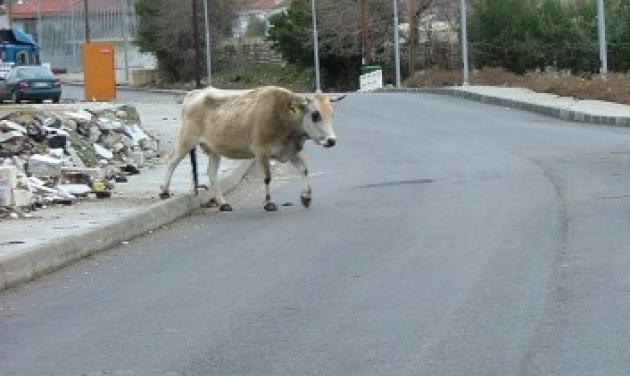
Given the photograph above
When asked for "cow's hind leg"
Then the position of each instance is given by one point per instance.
(298, 162)
(214, 161)
(179, 153)
(263, 163)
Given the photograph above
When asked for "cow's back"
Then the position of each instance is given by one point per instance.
(234, 123)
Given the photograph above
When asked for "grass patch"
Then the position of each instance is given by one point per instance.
(278, 74)
(8, 109)
(84, 149)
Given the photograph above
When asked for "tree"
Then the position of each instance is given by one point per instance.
(534, 34)
(291, 33)
(619, 34)
(414, 10)
(162, 31)
(339, 37)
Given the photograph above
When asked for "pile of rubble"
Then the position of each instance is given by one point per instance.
(60, 157)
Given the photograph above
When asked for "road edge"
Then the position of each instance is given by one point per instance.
(137, 89)
(34, 262)
(551, 111)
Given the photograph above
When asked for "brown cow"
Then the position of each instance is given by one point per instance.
(262, 124)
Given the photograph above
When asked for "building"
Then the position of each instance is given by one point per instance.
(59, 28)
(257, 11)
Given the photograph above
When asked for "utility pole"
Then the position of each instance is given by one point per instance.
(87, 21)
(396, 44)
(39, 24)
(601, 26)
(127, 10)
(464, 23)
(208, 43)
(196, 42)
(10, 13)
(73, 35)
(365, 34)
(318, 86)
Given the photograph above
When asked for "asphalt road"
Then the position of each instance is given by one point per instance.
(446, 237)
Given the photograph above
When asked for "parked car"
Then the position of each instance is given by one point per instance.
(30, 82)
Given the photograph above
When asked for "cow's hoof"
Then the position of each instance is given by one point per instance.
(271, 207)
(165, 195)
(226, 208)
(306, 201)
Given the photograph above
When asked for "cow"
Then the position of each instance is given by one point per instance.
(263, 124)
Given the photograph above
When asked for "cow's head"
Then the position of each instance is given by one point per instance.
(318, 118)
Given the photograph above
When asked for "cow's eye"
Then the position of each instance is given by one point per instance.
(316, 116)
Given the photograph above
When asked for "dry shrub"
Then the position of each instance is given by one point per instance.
(616, 88)
(434, 77)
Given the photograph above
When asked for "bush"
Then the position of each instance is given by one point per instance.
(286, 75)
(523, 35)
(616, 88)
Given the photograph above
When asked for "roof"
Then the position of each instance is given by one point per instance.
(266, 4)
(28, 8)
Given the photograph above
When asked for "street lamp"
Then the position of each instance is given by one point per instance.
(208, 44)
(396, 44)
(464, 42)
(315, 46)
(601, 26)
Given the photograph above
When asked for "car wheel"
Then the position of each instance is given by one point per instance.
(56, 99)
(15, 97)
(39, 101)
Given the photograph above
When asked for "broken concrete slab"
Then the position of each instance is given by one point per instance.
(23, 198)
(8, 176)
(10, 136)
(79, 190)
(8, 125)
(44, 166)
(138, 158)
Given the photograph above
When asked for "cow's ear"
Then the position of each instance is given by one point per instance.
(298, 104)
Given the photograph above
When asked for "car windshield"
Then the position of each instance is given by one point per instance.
(34, 72)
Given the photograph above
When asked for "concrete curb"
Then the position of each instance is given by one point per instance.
(138, 89)
(29, 264)
(560, 113)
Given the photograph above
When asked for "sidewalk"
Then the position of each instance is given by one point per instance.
(58, 236)
(76, 79)
(566, 108)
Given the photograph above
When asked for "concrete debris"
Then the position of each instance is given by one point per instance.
(44, 166)
(8, 126)
(58, 157)
(102, 152)
(10, 135)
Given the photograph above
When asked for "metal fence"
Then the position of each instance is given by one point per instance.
(61, 35)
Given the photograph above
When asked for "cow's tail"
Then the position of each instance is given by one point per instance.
(193, 162)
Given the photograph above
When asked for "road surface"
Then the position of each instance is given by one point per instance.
(446, 237)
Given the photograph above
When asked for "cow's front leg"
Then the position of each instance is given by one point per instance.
(214, 162)
(263, 162)
(298, 162)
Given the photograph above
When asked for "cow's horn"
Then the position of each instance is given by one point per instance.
(338, 99)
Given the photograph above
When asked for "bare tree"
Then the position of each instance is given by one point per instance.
(172, 38)
(414, 10)
(340, 27)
